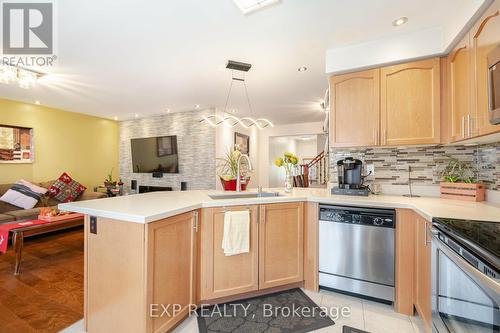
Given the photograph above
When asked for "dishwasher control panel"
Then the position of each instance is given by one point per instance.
(357, 215)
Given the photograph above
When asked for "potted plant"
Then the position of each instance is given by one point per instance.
(288, 161)
(110, 184)
(459, 182)
(108, 181)
(227, 170)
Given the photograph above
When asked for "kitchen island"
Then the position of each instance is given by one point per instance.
(150, 258)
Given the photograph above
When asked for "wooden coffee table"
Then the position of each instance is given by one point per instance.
(40, 229)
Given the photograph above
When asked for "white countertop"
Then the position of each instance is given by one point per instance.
(150, 207)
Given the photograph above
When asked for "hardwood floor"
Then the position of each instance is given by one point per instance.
(48, 295)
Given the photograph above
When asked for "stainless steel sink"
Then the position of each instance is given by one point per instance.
(242, 195)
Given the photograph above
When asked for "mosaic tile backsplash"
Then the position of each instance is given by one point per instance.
(427, 163)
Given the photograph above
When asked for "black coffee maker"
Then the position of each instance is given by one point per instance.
(350, 178)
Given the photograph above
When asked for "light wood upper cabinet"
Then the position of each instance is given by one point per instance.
(281, 244)
(485, 37)
(410, 103)
(355, 109)
(171, 268)
(223, 275)
(422, 286)
(460, 91)
(468, 78)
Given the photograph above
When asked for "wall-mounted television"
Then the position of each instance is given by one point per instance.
(158, 154)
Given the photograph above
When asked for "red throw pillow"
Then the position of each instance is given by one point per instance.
(65, 189)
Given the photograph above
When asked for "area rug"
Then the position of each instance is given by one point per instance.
(349, 329)
(291, 311)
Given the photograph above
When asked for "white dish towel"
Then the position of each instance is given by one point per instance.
(236, 239)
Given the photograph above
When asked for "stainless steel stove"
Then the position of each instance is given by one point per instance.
(465, 276)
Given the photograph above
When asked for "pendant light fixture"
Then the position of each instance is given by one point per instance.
(229, 119)
(25, 78)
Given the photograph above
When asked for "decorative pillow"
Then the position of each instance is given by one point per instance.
(23, 194)
(65, 189)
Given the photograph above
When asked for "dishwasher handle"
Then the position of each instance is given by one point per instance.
(357, 210)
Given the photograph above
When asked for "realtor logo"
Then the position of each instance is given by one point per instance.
(27, 28)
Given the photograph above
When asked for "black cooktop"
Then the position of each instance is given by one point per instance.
(483, 234)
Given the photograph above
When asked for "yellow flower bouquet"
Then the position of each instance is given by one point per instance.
(288, 161)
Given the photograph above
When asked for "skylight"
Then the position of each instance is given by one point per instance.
(249, 6)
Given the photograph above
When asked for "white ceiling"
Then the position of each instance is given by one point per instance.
(119, 58)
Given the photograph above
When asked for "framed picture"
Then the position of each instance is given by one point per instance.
(242, 143)
(16, 144)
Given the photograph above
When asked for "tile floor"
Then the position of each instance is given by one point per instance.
(366, 315)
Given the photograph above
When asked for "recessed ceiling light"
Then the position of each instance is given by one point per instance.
(233, 110)
(136, 115)
(302, 69)
(197, 106)
(400, 21)
(37, 102)
(168, 110)
(249, 6)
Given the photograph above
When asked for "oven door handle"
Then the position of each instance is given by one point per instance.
(490, 286)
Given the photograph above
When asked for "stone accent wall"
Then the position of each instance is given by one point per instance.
(196, 147)
(391, 164)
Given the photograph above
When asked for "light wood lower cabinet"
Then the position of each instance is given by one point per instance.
(311, 246)
(132, 269)
(281, 244)
(275, 257)
(171, 268)
(422, 284)
(222, 275)
(115, 293)
(413, 266)
(404, 261)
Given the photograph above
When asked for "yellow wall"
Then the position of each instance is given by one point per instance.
(83, 146)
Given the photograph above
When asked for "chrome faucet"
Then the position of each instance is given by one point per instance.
(238, 176)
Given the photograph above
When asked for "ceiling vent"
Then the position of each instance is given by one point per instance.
(250, 6)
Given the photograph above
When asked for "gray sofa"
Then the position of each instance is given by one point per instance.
(10, 213)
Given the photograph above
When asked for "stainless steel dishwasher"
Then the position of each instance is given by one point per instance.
(356, 251)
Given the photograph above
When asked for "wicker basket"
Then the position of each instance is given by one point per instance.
(462, 191)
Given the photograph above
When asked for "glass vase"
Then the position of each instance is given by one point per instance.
(288, 182)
